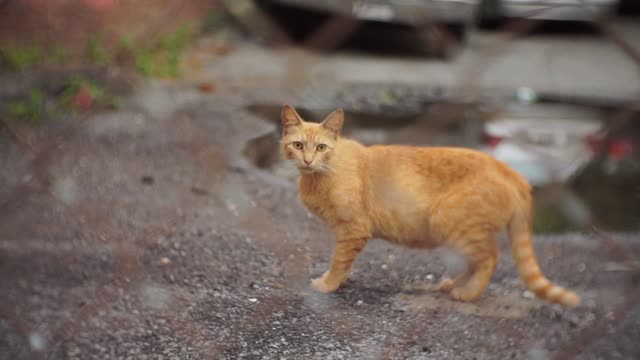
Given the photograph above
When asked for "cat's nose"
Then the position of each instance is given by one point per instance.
(308, 162)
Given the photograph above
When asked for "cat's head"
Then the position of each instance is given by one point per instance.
(309, 145)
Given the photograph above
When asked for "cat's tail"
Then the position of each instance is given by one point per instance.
(527, 265)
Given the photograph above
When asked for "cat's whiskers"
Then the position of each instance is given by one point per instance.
(286, 164)
(285, 167)
(289, 166)
(325, 169)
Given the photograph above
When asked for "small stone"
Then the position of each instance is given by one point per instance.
(384, 266)
(253, 300)
(147, 179)
(528, 295)
(360, 302)
(165, 261)
(37, 342)
(526, 95)
(573, 320)
(429, 277)
(538, 353)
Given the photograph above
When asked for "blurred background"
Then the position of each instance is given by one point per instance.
(145, 213)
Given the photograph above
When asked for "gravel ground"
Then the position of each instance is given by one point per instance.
(147, 235)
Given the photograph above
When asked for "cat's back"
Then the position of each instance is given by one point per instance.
(431, 159)
(440, 166)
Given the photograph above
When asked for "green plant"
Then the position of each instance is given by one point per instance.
(144, 61)
(21, 58)
(125, 51)
(176, 42)
(77, 94)
(177, 45)
(30, 109)
(214, 19)
(95, 52)
(163, 59)
(99, 97)
(60, 55)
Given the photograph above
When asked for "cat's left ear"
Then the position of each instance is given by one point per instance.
(289, 117)
(334, 122)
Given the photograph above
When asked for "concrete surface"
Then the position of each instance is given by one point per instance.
(580, 65)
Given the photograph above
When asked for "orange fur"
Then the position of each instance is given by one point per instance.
(417, 197)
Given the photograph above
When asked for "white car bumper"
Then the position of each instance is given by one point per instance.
(557, 9)
(537, 167)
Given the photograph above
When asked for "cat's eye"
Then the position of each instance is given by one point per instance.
(297, 145)
(321, 147)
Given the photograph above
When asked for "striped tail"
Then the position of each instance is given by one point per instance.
(527, 265)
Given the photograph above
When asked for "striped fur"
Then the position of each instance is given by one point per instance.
(527, 265)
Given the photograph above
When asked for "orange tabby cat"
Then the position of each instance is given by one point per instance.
(417, 197)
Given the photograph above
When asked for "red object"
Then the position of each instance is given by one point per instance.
(100, 4)
(96, 4)
(206, 87)
(491, 140)
(82, 99)
(619, 149)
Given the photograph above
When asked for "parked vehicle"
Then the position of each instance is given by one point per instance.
(558, 10)
(544, 143)
(395, 11)
(393, 25)
(415, 12)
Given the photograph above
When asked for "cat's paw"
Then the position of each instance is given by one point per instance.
(321, 285)
(446, 285)
(462, 294)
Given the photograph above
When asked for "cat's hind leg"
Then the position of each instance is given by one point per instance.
(482, 254)
(467, 220)
(447, 283)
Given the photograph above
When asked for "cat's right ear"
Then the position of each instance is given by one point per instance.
(334, 122)
(289, 117)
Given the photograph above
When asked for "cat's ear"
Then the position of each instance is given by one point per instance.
(334, 122)
(289, 117)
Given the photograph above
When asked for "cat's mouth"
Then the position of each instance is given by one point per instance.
(306, 169)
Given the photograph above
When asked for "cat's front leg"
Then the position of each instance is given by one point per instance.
(344, 253)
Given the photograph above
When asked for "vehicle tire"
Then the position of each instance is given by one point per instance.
(444, 45)
(489, 13)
